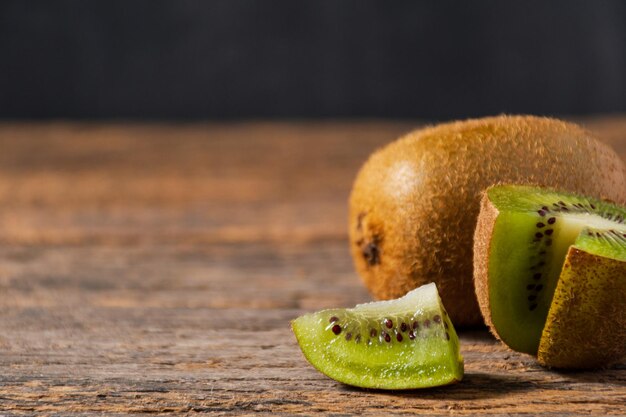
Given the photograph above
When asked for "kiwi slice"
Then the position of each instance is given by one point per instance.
(550, 274)
(398, 344)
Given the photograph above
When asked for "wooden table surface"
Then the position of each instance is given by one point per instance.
(154, 269)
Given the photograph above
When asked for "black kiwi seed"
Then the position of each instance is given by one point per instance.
(538, 235)
(545, 208)
(562, 204)
(426, 323)
(357, 338)
(537, 276)
(540, 225)
(445, 324)
(447, 336)
(592, 206)
(348, 336)
(548, 232)
(388, 323)
(387, 337)
(551, 220)
(333, 319)
(539, 287)
(399, 337)
(437, 319)
(532, 306)
(415, 325)
(373, 333)
(336, 329)
(541, 212)
(404, 327)
(411, 335)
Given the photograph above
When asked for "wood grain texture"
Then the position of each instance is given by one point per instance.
(155, 268)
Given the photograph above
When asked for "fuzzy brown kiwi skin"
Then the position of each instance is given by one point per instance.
(415, 202)
(482, 247)
(586, 324)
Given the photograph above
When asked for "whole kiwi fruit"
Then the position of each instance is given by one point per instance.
(415, 202)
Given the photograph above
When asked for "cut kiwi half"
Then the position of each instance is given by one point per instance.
(398, 344)
(550, 274)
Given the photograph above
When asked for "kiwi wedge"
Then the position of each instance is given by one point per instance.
(414, 203)
(398, 344)
(550, 274)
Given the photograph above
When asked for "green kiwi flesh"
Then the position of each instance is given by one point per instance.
(534, 232)
(397, 344)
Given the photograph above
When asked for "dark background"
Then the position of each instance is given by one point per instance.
(237, 59)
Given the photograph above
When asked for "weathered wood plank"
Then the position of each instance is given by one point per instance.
(155, 268)
(240, 182)
(249, 181)
(182, 329)
(243, 275)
